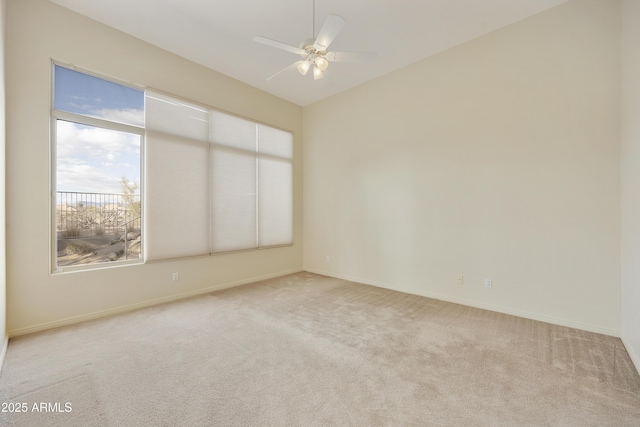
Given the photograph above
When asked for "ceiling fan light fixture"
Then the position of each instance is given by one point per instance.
(317, 73)
(303, 67)
(322, 64)
(313, 51)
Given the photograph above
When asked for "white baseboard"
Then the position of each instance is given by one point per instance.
(631, 351)
(462, 301)
(3, 353)
(144, 304)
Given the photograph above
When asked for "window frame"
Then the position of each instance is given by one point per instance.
(141, 131)
(55, 116)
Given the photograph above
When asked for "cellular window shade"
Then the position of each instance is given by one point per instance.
(233, 183)
(214, 182)
(175, 117)
(177, 177)
(275, 192)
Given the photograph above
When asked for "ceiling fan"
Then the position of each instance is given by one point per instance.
(314, 51)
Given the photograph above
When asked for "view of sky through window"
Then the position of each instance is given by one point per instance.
(94, 160)
(81, 93)
(89, 158)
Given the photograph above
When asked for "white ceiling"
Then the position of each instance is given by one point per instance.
(219, 33)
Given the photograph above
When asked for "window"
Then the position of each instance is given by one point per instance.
(98, 126)
(215, 182)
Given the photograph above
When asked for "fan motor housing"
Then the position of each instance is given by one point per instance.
(309, 49)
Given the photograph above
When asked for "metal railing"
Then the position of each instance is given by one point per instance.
(81, 215)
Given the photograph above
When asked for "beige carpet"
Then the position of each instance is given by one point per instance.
(307, 350)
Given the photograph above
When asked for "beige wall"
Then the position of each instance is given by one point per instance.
(496, 159)
(631, 178)
(3, 267)
(39, 31)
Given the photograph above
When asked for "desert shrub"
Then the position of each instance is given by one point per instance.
(71, 231)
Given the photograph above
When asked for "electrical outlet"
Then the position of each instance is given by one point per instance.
(461, 280)
(488, 283)
(327, 258)
(175, 277)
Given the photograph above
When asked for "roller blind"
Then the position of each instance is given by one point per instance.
(177, 208)
(275, 192)
(215, 182)
(177, 171)
(233, 183)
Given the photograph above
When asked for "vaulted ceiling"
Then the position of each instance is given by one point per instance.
(219, 34)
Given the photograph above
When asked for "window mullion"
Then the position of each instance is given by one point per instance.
(92, 121)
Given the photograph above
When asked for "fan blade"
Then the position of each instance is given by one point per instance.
(328, 32)
(352, 56)
(285, 69)
(279, 45)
